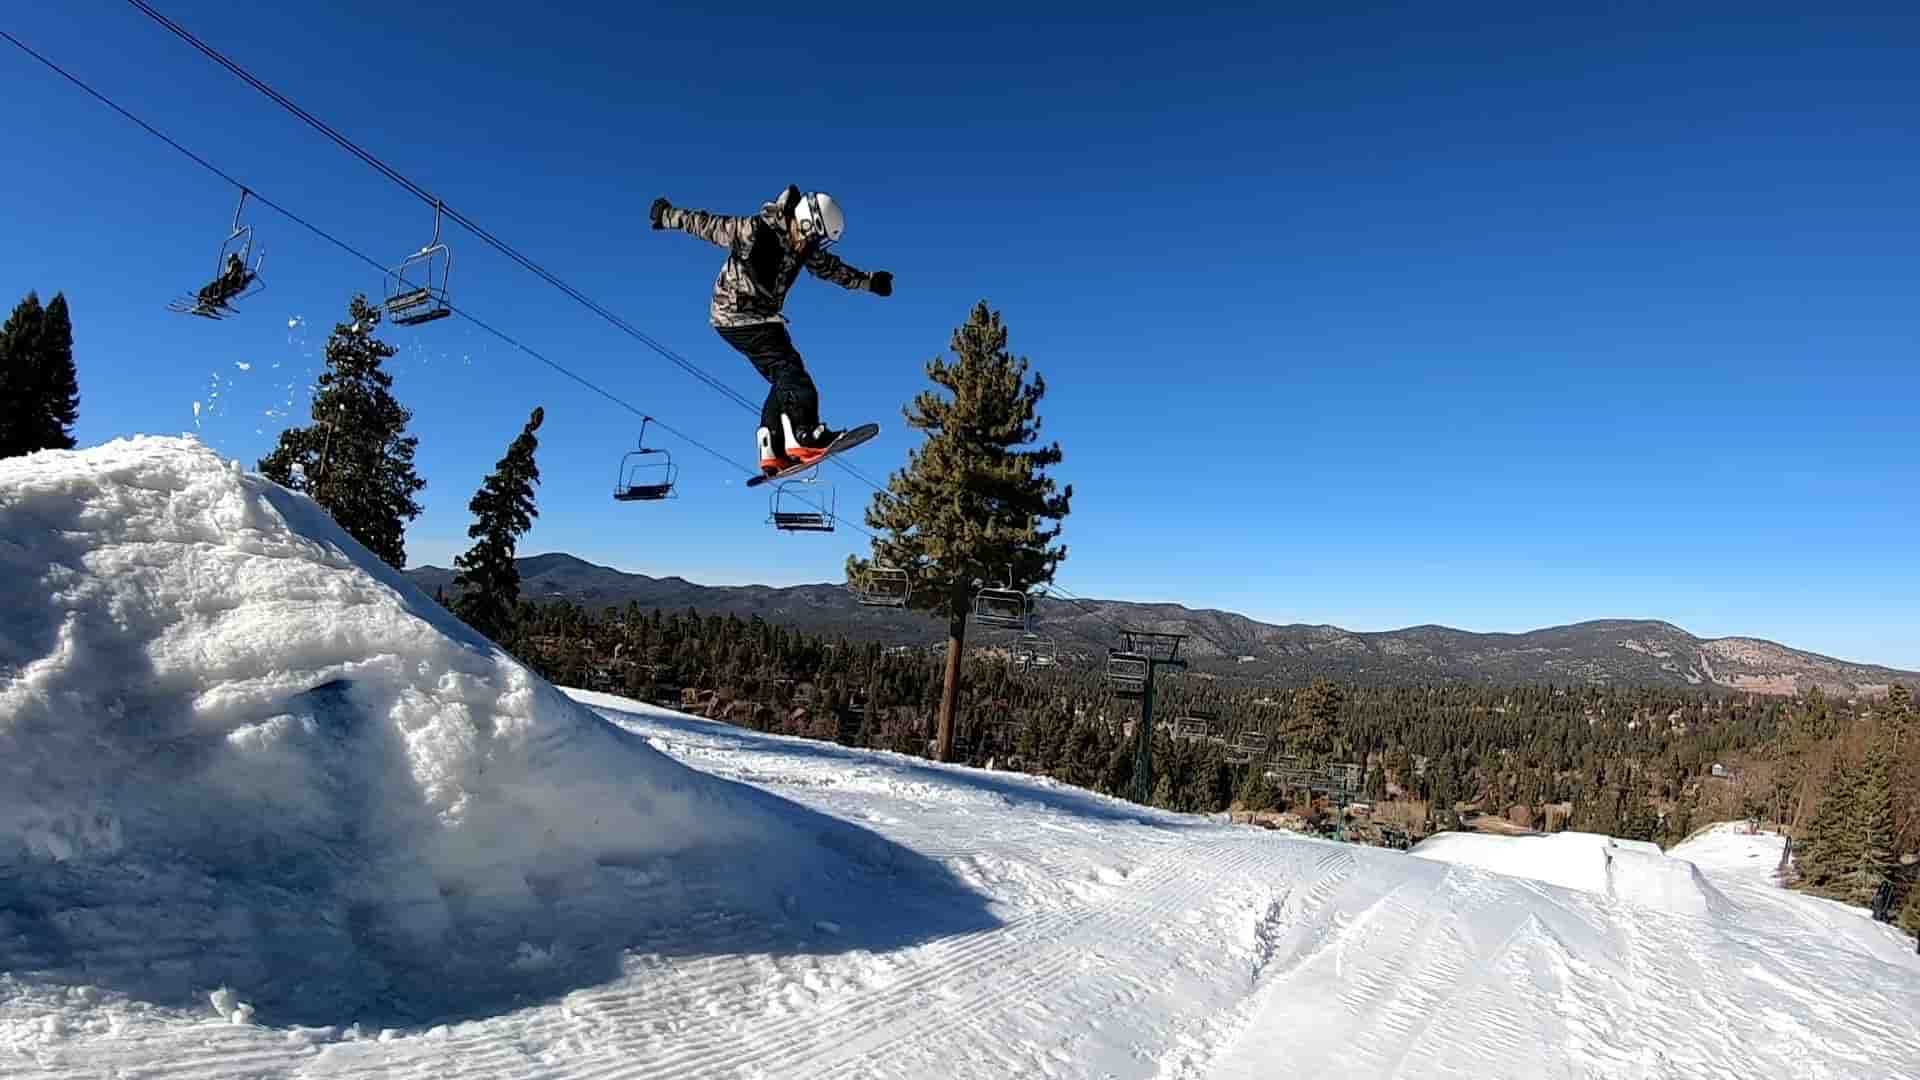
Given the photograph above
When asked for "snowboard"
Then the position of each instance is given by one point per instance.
(848, 439)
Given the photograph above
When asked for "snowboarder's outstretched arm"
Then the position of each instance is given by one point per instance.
(721, 229)
(827, 266)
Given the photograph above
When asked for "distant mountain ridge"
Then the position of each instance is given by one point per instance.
(1632, 652)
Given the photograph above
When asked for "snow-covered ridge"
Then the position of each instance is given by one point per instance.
(237, 750)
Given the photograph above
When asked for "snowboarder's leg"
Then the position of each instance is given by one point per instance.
(790, 419)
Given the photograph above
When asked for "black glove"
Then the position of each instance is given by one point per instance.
(659, 211)
(881, 283)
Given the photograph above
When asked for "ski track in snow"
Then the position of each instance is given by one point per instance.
(1132, 944)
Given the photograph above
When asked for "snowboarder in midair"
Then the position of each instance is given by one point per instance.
(765, 253)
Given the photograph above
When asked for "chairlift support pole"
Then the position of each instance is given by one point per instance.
(1158, 650)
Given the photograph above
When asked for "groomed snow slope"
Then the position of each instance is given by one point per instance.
(238, 751)
(780, 908)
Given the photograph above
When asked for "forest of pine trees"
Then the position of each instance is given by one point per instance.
(1631, 762)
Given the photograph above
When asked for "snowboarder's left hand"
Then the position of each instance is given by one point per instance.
(659, 212)
(881, 283)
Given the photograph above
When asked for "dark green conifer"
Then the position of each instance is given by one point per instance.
(39, 389)
(1829, 847)
(974, 504)
(1869, 858)
(356, 459)
(503, 510)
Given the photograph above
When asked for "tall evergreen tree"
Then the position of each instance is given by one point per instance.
(19, 366)
(1444, 776)
(39, 389)
(1909, 917)
(1309, 726)
(973, 503)
(1641, 822)
(356, 459)
(503, 510)
(1870, 855)
(1829, 849)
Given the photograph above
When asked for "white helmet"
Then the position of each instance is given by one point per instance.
(820, 217)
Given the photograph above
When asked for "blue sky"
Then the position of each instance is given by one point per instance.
(1479, 316)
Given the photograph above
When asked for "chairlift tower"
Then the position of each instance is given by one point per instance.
(1131, 671)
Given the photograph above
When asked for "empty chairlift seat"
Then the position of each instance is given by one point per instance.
(1127, 672)
(791, 509)
(881, 586)
(1247, 746)
(1193, 727)
(646, 474)
(417, 288)
(1034, 651)
(1000, 607)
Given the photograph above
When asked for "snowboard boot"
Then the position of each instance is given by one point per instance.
(773, 452)
(786, 448)
(811, 446)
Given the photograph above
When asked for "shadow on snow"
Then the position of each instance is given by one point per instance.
(324, 929)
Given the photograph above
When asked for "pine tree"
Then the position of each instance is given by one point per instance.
(356, 459)
(1641, 822)
(1444, 778)
(1909, 919)
(1375, 785)
(1309, 727)
(503, 510)
(39, 390)
(1255, 793)
(1163, 792)
(1828, 849)
(1870, 857)
(19, 366)
(971, 506)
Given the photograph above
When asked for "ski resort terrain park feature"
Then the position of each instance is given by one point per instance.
(267, 810)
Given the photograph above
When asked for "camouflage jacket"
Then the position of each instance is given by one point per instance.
(760, 267)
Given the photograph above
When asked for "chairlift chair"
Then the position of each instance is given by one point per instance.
(647, 474)
(236, 273)
(1247, 746)
(1127, 672)
(1034, 650)
(882, 586)
(1192, 727)
(784, 508)
(1160, 645)
(1002, 607)
(423, 297)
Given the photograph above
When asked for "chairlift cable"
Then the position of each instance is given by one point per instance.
(323, 234)
(471, 226)
(428, 197)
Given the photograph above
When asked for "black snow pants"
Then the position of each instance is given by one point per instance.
(771, 350)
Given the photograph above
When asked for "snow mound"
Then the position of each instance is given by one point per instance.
(239, 754)
(1733, 848)
(1633, 871)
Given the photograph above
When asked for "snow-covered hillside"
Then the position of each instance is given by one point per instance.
(265, 810)
(237, 750)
